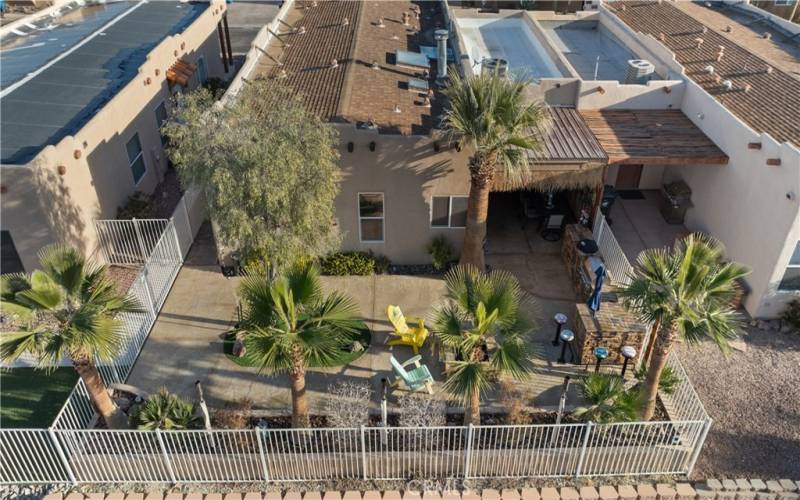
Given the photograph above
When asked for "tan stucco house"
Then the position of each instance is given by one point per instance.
(83, 95)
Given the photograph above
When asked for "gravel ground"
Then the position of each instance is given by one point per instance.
(754, 399)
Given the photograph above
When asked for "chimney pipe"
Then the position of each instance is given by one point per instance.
(441, 53)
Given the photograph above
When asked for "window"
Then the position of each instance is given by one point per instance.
(791, 277)
(783, 3)
(135, 158)
(449, 211)
(161, 118)
(9, 258)
(370, 217)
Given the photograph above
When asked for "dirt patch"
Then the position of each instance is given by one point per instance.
(167, 195)
(754, 399)
(123, 277)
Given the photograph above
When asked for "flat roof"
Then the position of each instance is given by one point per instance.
(652, 137)
(367, 84)
(771, 101)
(66, 89)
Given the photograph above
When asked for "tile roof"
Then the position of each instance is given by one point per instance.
(354, 91)
(661, 137)
(771, 105)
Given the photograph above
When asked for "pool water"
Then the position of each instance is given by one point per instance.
(510, 39)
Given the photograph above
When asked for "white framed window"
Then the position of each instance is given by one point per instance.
(161, 119)
(791, 277)
(136, 158)
(449, 211)
(371, 217)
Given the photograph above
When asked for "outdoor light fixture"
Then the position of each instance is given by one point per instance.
(561, 320)
(372, 146)
(566, 337)
(600, 353)
(628, 353)
(350, 147)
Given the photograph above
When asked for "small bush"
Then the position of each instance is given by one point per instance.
(235, 415)
(164, 410)
(353, 264)
(382, 263)
(441, 252)
(792, 315)
(668, 381)
(138, 206)
(512, 399)
(418, 410)
(347, 404)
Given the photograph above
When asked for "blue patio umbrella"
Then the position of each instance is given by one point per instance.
(597, 294)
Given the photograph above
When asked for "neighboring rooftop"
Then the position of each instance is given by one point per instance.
(763, 96)
(245, 20)
(354, 91)
(61, 95)
(660, 137)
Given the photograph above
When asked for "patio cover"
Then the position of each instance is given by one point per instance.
(652, 137)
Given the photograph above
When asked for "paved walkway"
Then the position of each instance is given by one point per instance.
(638, 225)
(186, 342)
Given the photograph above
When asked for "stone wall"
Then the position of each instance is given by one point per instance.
(611, 327)
(573, 260)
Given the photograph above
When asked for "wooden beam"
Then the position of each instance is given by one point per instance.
(754, 145)
(773, 162)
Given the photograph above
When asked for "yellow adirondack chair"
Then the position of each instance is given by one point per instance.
(410, 336)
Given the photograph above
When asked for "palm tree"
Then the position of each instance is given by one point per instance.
(492, 116)
(482, 309)
(687, 290)
(608, 400)
(68, 309)
(167, 411)
(289, 326)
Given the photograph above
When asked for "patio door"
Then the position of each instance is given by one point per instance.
(628, 176)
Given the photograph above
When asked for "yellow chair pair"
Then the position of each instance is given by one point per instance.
(406, 335)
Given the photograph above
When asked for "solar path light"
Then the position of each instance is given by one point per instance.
(600, 353)
(628, 353)
(566, 337)
(561, 320)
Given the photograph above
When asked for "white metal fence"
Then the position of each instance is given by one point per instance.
(238, 456)
(614, 257)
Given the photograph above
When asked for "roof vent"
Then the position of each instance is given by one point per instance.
(426, 102)
(709, 69)
(728, 29)
(396, 108)
(698, 42)
(769, 70)
(301, 30)
(704, 29)
(495, 65)
(767, 35)
(639, 71)
(334, 63)
(441, 53)
(283, 74)
(380, 24)
(747, 87)
(405, 18)
(728, 85)
(345, 21)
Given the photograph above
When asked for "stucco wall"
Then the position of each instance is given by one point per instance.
(409, 172)
(98, 178)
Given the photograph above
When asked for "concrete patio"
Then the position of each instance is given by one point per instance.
(186, 343)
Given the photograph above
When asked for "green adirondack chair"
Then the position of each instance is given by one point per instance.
(417, 378)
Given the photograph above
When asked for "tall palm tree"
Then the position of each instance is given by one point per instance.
(494, 117)
(687, 290)
(483, 309)
(68, 309)
(290, 325)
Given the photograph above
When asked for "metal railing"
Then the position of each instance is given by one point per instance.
(614, 257)
(370, 453)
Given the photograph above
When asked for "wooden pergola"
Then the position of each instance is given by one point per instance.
(652, 137)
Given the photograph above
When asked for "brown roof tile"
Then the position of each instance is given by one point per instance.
(771, 105)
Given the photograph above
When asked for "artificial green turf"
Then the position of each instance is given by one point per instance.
(31, 398)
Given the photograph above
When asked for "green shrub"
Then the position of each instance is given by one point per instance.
(138, 206)
(164, 410)
(608, 400)
(217, 86)
(668, 381)
(382, 263)
(441, 252)
(348, 264)
(792, 315)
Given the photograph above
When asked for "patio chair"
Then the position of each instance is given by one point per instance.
(413, 337)
(417, 378)
(553, 227)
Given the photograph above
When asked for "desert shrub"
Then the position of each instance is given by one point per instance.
(608, 400)
(352, 264)
(792, 315)
(668, 381)
(421, 410)
(441, 252)
(511, 398)
(164, 410)
(235, 415)
(382, 263)
(216, 86)
(347, 404)
(138, 206)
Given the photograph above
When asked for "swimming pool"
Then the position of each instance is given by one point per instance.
(510, 39)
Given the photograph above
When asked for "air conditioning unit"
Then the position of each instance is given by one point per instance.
(640, 71)
(494, 64)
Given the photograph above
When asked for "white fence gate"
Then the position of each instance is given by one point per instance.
(614, 257)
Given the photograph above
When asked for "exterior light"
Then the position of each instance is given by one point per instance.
(566, 337)
(561, 320)
(628, 353)
(600, 353)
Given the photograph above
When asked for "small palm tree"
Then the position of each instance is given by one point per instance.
(493, 116)
(167, 411)
(289, 326)
(688, 291)
(68, 309)
(483, 307)
(608, 400)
